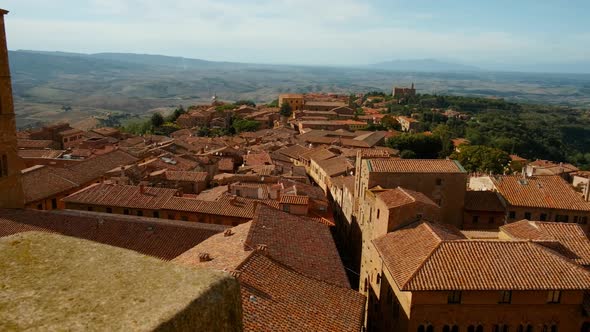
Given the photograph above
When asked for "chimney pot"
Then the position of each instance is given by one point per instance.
(204, 257)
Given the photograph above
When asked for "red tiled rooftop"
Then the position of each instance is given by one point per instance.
(550, 192)
(414, 166)
(278, 298)
(426, 256)
(300, 243)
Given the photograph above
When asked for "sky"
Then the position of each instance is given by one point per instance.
(312, 32)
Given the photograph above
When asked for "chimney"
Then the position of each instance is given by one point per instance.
(204, 257)
(122, 171)
(587, 191)
(141, 189)
(228, 232)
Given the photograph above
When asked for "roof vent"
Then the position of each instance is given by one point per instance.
(204, 257)
(228, 232)
(253, 298)
(261, 247)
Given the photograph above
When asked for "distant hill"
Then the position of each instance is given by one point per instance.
(424, 65)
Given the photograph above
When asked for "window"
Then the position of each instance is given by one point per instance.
(576, 219)
(54, 203)
(473, 328)
(491, 220)
(109, 210)
(505, 297)
(500, 328)
(90, 208)
(39, 206)
(126, 211)
(584, 220)
(171, 216)
(543, 217)
(512, 214)
(525, 328)
(439, 182)
(554, 296)
(184, 218)
(454, 297)
(156, 214)
(475, 219)
(550, 328)
(527, 215)
(561, 218)
(238, 192)
(140, 213)
(4, 166)
(286, 208)
(450, 328)
(425, 328)
(378, 213)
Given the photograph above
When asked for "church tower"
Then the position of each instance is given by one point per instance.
(11, 189)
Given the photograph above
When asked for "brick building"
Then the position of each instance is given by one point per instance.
(11, 193)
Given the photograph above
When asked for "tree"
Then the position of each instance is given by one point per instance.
(241, 125)
(157, 120)
(443, 132)
(390, 123)
(286, 110)
(479, 158)
(245, 102)
(423, 146)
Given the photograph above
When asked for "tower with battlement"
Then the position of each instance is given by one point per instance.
(11, 189)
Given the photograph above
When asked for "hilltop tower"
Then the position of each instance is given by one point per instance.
(11, 189)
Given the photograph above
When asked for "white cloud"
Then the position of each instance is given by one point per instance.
(301, 31)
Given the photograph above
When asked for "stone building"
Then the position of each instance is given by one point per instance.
(404, 92)
(11, 192)
(543, 198)
(294, 100)
(443, 181)
(429, 277)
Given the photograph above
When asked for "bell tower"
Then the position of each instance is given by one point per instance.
(11, 189)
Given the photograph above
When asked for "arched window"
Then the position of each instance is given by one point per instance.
(479, 328)
(421, 328)
(471, 328)
(429, 328)
(450, 328)
(3, 166)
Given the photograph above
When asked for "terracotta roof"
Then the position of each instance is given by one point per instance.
(34, 143)
(426, 256)
(240, 207)
(546, 167)
(300, 243)
(48, 154)
(277, 298)
(293, 151)
(576, 245)
(401, 196)
(122, 196)
(226, 252)
(414, 166)
(483, 201)
(225, 164)
(294, 200)
(317, 154)
(186, 176)
(160, 238)
(257, 159)
(550, 192)
(480, 234)
(43, 182)
(71, 131)
(335, 166)
(334, 104)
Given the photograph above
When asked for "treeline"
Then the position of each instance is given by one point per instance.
(530, 131)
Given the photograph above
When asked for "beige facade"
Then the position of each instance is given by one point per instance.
(294, 100)
(11, 190)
